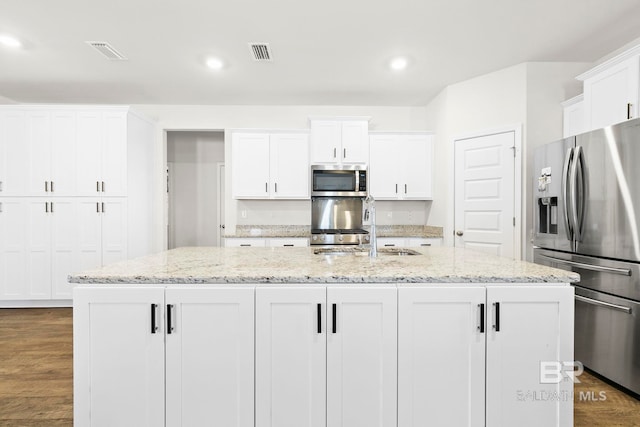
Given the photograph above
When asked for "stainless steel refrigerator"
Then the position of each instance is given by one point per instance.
(587, 220)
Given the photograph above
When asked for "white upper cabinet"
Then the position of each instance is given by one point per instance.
(270, 165)
(611, 92)
(400, 166)
(14, 153)
(339, 141)
(573, 116)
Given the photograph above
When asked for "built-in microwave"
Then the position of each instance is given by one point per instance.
(339, 180)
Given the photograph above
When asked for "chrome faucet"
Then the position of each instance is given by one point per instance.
(370, 212)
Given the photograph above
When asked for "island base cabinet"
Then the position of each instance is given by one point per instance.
(209, 357)
(530, 331)
(118, 339)
(326, 357)
(290, 357)
(441, 357)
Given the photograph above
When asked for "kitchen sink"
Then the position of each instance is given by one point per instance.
(359, 251)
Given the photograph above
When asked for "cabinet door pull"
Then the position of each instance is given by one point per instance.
(46, 207)
(405, 189)
(97, 186)
(334, 152)
(266, 187)
(0, 186)
(276, 186)
(97, 207)
(0, 207)
(389, 244)
(496, 326)
(628, 110)
(319, 318)
(154, 326)
(102, 207)
(396, 188)
(245, 244)
(46, 186)
(481, 326)
(288, 245)
(334, 317)
(425, 244)
(51, 186)
(169, 319)
(344, 156)
(103, 186)
(51, 207)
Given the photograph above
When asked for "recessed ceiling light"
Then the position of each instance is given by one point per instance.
(10, 41)
(399, 63)
(215, 63)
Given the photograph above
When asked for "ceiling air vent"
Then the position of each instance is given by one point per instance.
(107, 51)
(260, 52)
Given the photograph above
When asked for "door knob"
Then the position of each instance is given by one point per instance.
(459, 233)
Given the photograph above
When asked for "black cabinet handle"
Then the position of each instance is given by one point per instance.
(628, 111)
(497, 325)
(169, 319)
(334, 316)
(481, 327)
(154, 326)
(319, 318)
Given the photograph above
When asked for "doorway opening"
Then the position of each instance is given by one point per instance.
(195, 188)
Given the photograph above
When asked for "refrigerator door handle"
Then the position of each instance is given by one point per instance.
(566, 193)
(604, 304)
(578, 193)
(592, 267)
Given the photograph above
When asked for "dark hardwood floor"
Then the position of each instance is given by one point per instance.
(36, 376)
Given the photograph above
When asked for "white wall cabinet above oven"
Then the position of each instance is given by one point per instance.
(268, 165)
(400, 166)
(338, 141)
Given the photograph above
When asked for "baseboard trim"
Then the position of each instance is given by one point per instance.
(36, 303)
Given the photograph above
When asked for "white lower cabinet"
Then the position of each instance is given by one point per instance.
(326, 357)
(118, 362)
(443, 376)
(408, 242)
(129, 367)
(272, 242)
(209, 357)
(441, 357)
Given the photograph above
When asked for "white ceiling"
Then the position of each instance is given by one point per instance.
(329, 52)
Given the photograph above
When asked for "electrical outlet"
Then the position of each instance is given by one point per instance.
(243, 213)
(389, 214)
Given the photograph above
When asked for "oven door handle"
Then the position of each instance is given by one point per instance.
(604, 304)
(621, 271)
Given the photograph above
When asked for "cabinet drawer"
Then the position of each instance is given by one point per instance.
(240, 242)
(288, 242)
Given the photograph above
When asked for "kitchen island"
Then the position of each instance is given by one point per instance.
(285, 337)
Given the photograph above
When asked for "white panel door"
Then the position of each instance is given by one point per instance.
(14, 154)
(416, 167)
(384, 167)
(118, 357)
(64, 161)
(325, 141)
(64, 245)
(484, 194)
(441, 357)
(14, 227)
(290, 357)
(528, 326)
(362, 357)
(114, 154)
(210, 356)
(39, 143)
(89, 229)
(114, 229)
(38, 283)
(89, 152)
(290, 166)
(355, 142)
(250, 165)
(612, 96)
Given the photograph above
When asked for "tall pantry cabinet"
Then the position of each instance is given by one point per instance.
(75, 194)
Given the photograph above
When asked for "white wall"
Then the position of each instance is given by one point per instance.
(526, 95)
(193, 207)
(215, 117)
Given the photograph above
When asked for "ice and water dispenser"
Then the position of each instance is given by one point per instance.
(547, 206)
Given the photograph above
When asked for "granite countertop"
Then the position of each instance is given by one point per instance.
(291, 231)
(300, 265)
